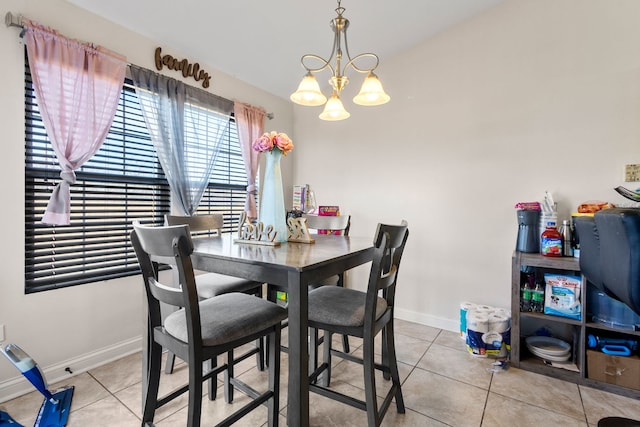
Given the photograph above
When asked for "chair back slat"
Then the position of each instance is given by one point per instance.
(396, 241)
(389, 244)
(148, 270)
(158, 241)
(334, 223)
(397, 236)
(388, 279)
(166, 294)
(170, 245)
(198, 223)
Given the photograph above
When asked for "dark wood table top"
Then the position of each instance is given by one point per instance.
(300, 257)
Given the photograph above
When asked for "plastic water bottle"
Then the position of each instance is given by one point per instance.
(537, 299)
(526, 293)
(525, 299)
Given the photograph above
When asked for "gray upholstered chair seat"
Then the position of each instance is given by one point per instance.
(227, 317)
(214, 284)
(333, 305)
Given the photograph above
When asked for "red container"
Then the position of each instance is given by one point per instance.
(551, 241)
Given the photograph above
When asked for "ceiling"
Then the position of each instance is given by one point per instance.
(261, 42)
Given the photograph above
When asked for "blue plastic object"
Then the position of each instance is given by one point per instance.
(613, 346)
(55, 409)
(611, 312)
(6, 420)
(616, 350)
(55, 412)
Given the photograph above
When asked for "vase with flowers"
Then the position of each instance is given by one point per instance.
(274, 145)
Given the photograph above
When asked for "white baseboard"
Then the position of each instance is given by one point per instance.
(17, 386)
(428, 320)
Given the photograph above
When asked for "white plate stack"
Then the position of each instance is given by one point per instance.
(549, 348)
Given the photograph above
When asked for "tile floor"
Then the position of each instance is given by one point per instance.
(443, 385)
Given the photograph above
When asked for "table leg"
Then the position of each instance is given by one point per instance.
(298, 406)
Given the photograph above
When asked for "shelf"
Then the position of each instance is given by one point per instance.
(520, 355)
(557, 263)
(547, 317)
(603, 327)
(538, 366)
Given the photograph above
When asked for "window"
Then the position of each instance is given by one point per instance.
(123, 182)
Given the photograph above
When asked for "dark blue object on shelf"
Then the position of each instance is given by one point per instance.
(612, 346)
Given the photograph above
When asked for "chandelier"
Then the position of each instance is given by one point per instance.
(309, 94)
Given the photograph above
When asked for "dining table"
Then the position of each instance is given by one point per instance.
(290, 267)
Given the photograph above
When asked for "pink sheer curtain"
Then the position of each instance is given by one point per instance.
(250, 122)
(77, 88)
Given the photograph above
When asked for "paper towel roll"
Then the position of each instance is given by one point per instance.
(477, 321)
(464, 308)
(484, 309)
(499, 322)
(492, 339)
(503, 311)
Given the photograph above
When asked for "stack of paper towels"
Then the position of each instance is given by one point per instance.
(486, 330)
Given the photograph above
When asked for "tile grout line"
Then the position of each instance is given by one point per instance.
(584, 410)
(413, 369)
(544, 408)
(114, 396)
(486, 400)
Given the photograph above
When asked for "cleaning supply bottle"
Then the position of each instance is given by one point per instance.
(551, 241)
(56, 407)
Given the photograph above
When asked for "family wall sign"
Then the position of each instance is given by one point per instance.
(184, 66)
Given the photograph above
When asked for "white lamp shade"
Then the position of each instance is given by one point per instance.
(308, 93)
(371, 92)
(334, 110)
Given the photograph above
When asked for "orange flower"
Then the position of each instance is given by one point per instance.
(269, 141)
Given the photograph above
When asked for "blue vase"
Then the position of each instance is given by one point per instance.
(272, 210)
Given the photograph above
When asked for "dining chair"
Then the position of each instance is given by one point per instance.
(213, 284)
(347, 311)
(334, 225)
(200, 330)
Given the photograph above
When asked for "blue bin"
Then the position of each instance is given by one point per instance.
(611, 312)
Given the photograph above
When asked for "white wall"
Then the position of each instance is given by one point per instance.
(533, 95)
(82, 325)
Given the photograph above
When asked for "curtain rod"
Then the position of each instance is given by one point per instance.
(12, 20)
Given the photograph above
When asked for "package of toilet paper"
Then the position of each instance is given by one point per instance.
(488, 331)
